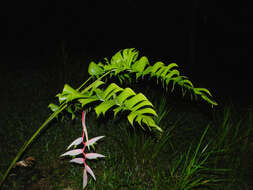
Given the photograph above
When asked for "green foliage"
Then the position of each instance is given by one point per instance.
(124, 65)
(106, 96)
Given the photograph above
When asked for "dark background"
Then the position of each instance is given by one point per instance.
(211, 40)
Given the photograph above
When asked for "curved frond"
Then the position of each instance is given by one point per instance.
(125, 62)
(126, 100)
(113, 98)
(125, 94)
(104, 107)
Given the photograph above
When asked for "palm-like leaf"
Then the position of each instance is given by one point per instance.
(122, 65)
(126, 99)
(126, 61)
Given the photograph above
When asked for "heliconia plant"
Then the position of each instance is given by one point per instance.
(76, 152)
(102, 96)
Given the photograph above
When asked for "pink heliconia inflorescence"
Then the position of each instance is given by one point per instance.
(76, 152)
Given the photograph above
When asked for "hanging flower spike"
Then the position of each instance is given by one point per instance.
(84, 126)
(75, 152)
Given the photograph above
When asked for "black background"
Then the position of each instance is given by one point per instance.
(211, 40)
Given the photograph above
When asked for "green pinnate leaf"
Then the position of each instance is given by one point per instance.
(142, 104)
(157, 66)
(167, 70)
(95, 70)
(68, 89)
(104, 106)
(86, 101)
(148, 111)
(131, 117)
(209, 100)
(172, 74)
(140, 65)
(134, 100)
(201, 90)
(53, 107)
(122, 61)
(147, 71)
(172, 65)
(110, 90)
(140, 117)
(68, 94)
(117, 59)
(148, 121)
(118, 109)
(100, 94)
(130, 56)
(160, 71)
(169, 76)
(177, 80)
(110, 67)
(187, 82)
(125, 94)
(96, 84)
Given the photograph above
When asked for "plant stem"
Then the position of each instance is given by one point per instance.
(84, 83)
(90, 86)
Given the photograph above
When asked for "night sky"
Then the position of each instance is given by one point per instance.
(211, 40)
